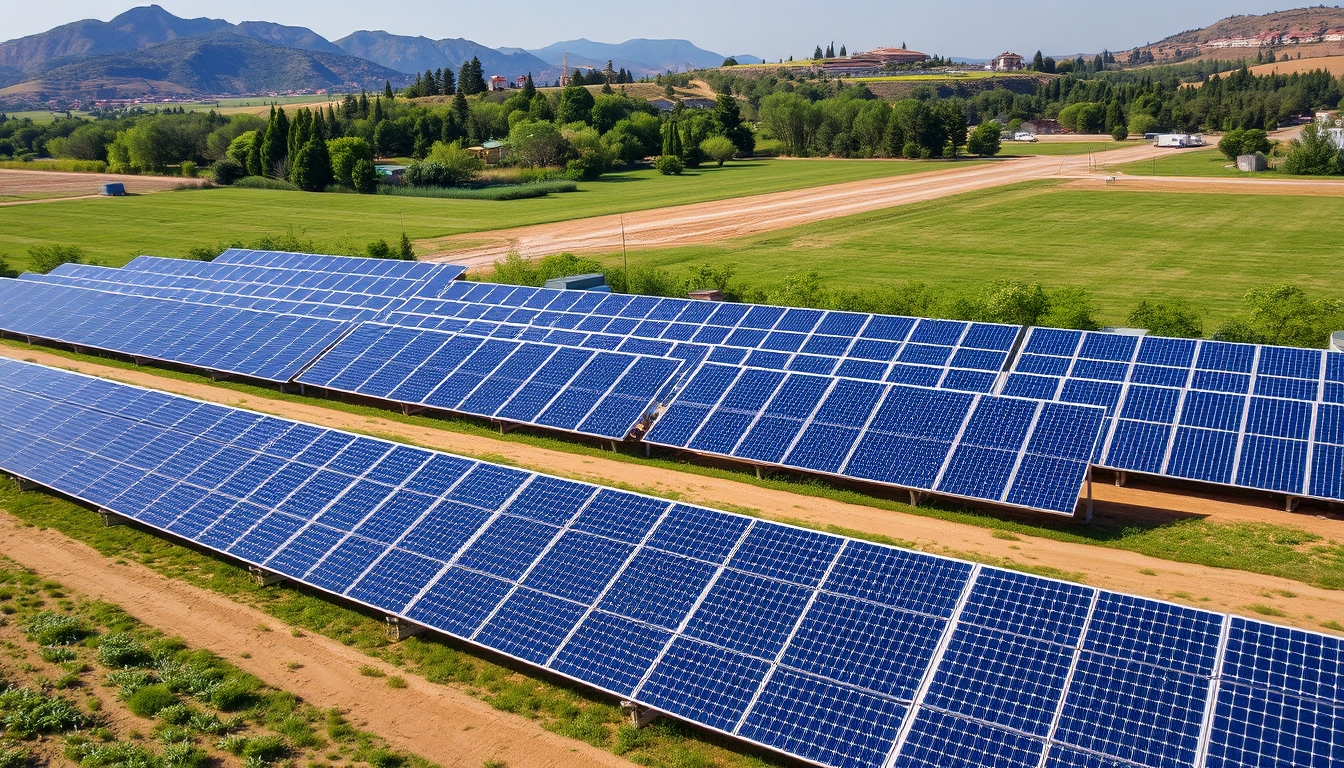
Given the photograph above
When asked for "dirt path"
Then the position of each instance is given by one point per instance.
(61, 185)
(738, 217)
(433, 721)
(1121, 570)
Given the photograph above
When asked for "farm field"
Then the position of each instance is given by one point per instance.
(116, 230)
(1205, 249)
(1065, 148)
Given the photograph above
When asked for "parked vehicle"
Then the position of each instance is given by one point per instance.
(1024, 136)
(1179, 140)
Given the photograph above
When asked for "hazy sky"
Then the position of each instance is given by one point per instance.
(768, 28)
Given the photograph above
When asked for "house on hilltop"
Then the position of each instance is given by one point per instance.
(1007, 62)
(871, 61)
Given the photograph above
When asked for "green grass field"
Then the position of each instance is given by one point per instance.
(1064, 148)
(115, 230)
(1205, 249)
(1204, 163)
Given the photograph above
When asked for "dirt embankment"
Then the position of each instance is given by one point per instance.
(1201, 586)
(433, 721)
(43, 186)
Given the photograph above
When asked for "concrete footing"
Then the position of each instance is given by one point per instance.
(112, 519)
(399, 629)
(640, 715)
(264, 577)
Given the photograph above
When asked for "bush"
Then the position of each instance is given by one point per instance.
(669, 165)
(263, 182)
(176, 714)
(189, 169)
(147, 701)
(114, 755)
(1284, 315)
(364, 177)
(719, 149)
(232, 695)
(50, 628)
(26, 713)
(184, 755)
(1314, 154)
(986, 140)
(265, 749)
(586, 167)
(226, 171)
(506, 192)
(5, 269)
(15, 758)
(43, 259)
(121, 651)
(1120, 133)
(1240, 142)
(1167, 319)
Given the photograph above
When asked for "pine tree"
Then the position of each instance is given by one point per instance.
(377, 110)
(817, 54)
(461, 112)
(438, 82)
(363, 105)
(387, 90)
(529, 90)
(449, 82)
(333, 127)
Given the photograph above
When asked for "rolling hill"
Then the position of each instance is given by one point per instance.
(640, 56)
(1305, 30)
(222, 64)
(416, 54)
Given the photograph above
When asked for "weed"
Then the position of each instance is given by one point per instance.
(122, 651)
(149, 700)
(1332, 624)
(1005, 535)
(16, 757)
(57, 654)
(50, 628)
(1147, 572)
(26, 713)
(1265, 610)
(396, 681)
(371, 671)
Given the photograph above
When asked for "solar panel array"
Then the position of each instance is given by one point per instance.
(1262, 417)
(904, 350)
(1008, 451)
(434, 277)
(588, 392)
(836, 651)
(262, 345)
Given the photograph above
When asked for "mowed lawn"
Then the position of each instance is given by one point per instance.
(1206, 249)
(1065, 148)
(115, 230)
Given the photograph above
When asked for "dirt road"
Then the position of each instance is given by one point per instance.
(433, 721)
(44, 186)
(1201, 586)
(737, 217)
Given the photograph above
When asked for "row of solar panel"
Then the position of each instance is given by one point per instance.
(947, 367)
(836, 651)
(603, 394)
(212, 298)
(1017, 452)
(261, 345)
(1234, 414)
(200, 285)
(302, 262)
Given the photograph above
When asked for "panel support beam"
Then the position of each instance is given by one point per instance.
(1087, 501)
(264, 577)
(763, 473)
(916, 498)
(24, 484)
(112, 519)
(1290, 503)
(1121, 478)
(640, 715)
(399, 629)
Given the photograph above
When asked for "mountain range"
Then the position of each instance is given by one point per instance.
(148, 52)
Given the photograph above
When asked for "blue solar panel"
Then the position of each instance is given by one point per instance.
(831, 650)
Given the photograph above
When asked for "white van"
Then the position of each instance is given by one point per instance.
(1024, 136)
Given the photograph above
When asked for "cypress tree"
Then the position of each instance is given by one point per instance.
(319, 126)
(377, 110)
(830, 51)
(363, 105)
(333, 128)
(387, 90)
(254, 164)
(275, 147)
(529, 90)
(817, 54)
(842, 51)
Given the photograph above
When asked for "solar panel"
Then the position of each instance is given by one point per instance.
(1007, 451)
(260, 345)
(589, 392)
(1260, 417)
(835, 651)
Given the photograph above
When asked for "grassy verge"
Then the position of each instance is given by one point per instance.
(1207, 250)
(568, 711)
(1064, 148)
(1204, 163)
(1268, 549)
(115, 231)
(121, 694)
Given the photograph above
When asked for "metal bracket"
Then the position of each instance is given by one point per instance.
(399, 629)
(24, 484)
(112, 519)
(915, 498)
(264, 577)
(763, 473)
(1121, 477)
(640, 715)
(1290, 503)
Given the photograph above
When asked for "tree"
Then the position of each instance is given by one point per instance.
(275, 146)
(719, 149)
(471, 79)
(529, 90)
(576, 105)
(1284, 314)
(985, 140)
(1120, 132)
(406, 252)
(345, 153)
(952, 117)
(311, 169)
(5, 269)
(44, 258)
(818, 53)
(1167, 318)
(727, 118)
(1238, 142)
(387, 91)
(1115, 118)
(830, 51)
(843, 54)
(537, 144)
(364, 177)
(1313, 154)
(1038, 62)
(671, 139)
(731, 61)
(449, 84)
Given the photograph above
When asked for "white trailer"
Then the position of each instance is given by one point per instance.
(1179, 140)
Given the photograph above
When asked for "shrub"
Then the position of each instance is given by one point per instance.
(184, 755)
(1167, 319)
(1141, 124)
(115, 755)
(1120, 132)
(121, 651)
(45, 258)
(176, 714)
(669, 165)
(265, 749)
(1314, 154)
(189, 169)
(5, 269)
(128, 681)
(262, 182)
(26, 713)
(15, 758)
(232, 695)
(226, 170)
(364, 177)
(50, 628)
(379, 249)
(147, 701)
(720, 149)
(57, 654)
(586, 167)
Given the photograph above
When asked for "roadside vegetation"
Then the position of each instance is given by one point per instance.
(81, 681)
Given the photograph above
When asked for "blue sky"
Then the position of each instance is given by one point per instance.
(768, 28)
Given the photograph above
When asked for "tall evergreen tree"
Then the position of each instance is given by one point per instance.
(275, 146)
(363, 105)
(377, 110)
(333, 127)
(529, 90)
(1038, 62)
(817, 54)
(449, 82)
(387, 90)
(471, 79)
(254, 163)
(319, 126)
(830, 51)
(842, 51)
(461, 112)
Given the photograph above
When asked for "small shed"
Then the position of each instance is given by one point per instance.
(589, 282)
(112, 189)
(490, 152)
(1253, 163)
